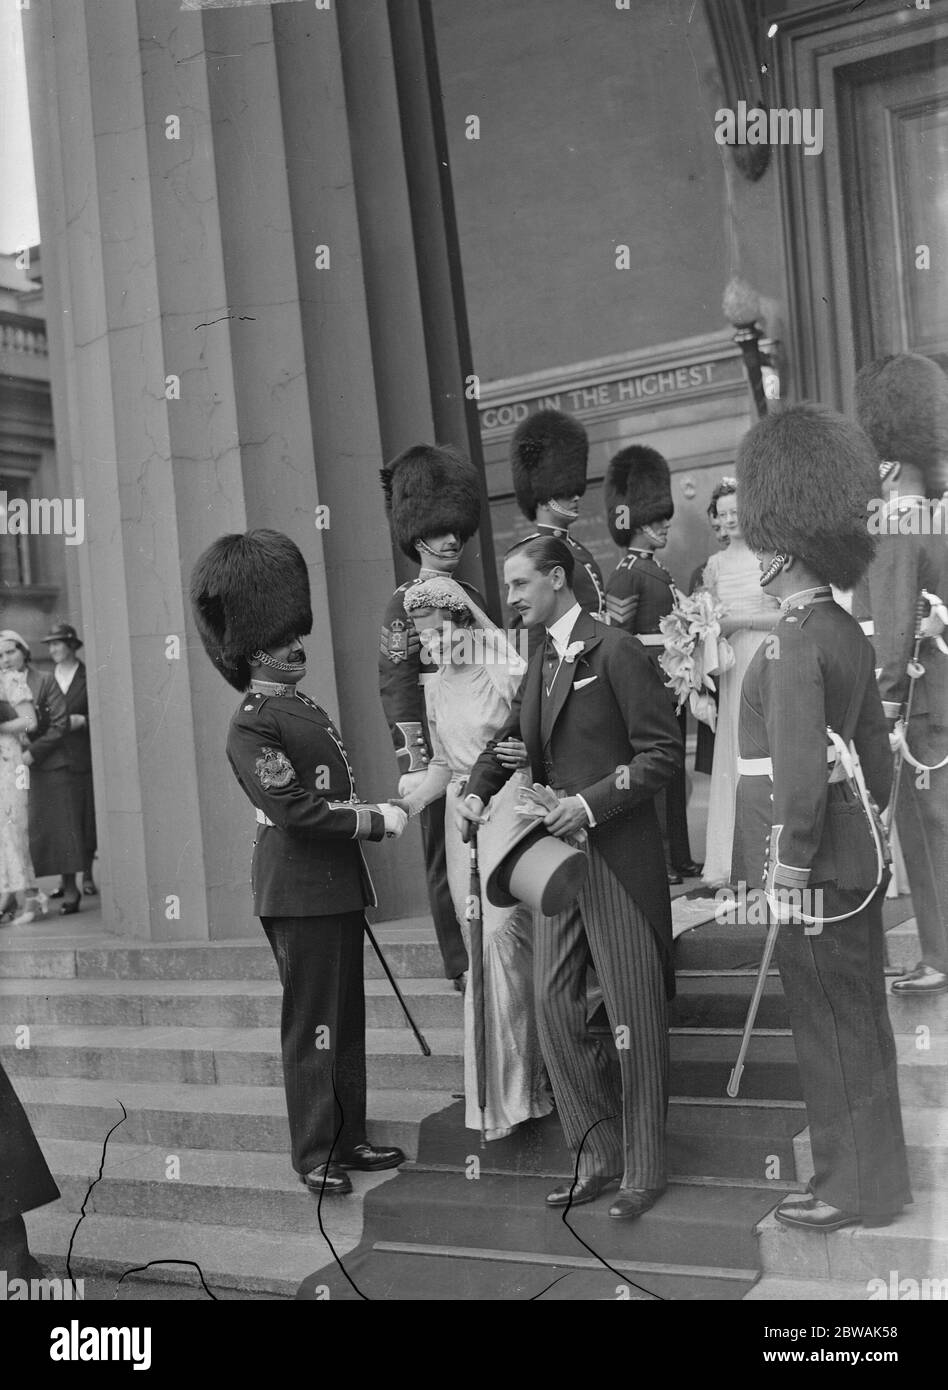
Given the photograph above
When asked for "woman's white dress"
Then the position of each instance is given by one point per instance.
(733, 577)
(467, 705)
(16, 868)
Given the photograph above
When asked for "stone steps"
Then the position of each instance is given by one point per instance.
(224, 1117)
(915, 1245)
(255, 1191)
(207, 1003)
(230, 1258)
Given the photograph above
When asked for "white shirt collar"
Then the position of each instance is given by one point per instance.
(561, 629)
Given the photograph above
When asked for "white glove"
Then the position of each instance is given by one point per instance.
(394, 817)
(410, 782)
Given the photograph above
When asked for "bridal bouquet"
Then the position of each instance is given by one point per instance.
(694, 652)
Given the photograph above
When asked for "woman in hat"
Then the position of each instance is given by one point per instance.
(17, 719)
(62, 813)
(468, 701)
(733, 578)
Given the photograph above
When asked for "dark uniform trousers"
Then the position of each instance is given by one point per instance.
(835, 990)
(922, 820)
(605, 927)
(322, 1032)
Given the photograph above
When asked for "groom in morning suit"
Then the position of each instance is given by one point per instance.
(600, 730)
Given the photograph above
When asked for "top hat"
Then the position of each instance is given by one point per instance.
(431, 491)
(638, 491)
(548, 455)
(248, 593)
(520, 861)
(902, 404)
(64, 632)
(805, 479)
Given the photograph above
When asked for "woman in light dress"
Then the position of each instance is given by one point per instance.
(467, 701)
(733, 578)
(17, 718)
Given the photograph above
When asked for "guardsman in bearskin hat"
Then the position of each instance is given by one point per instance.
(902, 404)
(548, 456)
(251, 603)
(814, 767)
(433, 501)
(640, 592)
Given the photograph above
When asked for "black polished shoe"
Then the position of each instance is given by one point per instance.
(327, 1179)
(924, 979)
(580, 1191)
(56, 893)
(674, 878)
(689, 869)
(810, 1214)
(635, 1201)
(70, 906)
(89, 889)
(365, 1158)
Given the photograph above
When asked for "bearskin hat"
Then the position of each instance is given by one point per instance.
(248, 593)
(902, 404)
(637, 490)
(805, 478)
(548, 456)
(431, 491)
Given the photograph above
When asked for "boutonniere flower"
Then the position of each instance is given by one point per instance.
(572, 652)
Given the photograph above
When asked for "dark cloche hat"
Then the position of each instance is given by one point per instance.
(637, 491)
(64, 632)
(805, 478)
(431, 490)
(902, 404)
(548, 456)
(249, 592)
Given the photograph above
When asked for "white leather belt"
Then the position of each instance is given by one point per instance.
(261, 818)
(651, 639)
(764, 767)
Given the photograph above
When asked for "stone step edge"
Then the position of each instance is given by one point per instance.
(221, 1251)
(469, 1252)
(781, 1288)
(85, 1091)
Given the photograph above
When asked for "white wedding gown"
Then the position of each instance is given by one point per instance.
(467, 705)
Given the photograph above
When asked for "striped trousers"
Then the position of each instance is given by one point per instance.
(612, 1116)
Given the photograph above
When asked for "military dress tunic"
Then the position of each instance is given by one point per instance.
(290, 760)
(639, 593)
(797, 830)
(912, 556)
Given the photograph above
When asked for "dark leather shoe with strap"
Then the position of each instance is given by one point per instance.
(634, 1201)
(365, 1158)
(327, 1179)
(581, 1190)
(924, 979)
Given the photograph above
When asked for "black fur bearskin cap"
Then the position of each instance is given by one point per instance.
(902, 404)
(548, 455)
(249, 592)
(637, 491)
(431, 490)
(805, 479)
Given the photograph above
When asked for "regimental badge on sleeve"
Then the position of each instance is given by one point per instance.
(395, 640)
(274, 769)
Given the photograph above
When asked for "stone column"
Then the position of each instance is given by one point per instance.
(229, 348)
